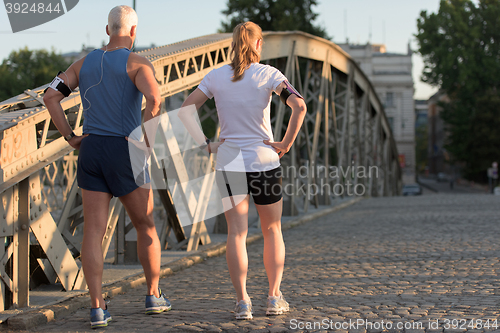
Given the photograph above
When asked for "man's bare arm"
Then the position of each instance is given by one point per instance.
(53, 98)
(145, 82)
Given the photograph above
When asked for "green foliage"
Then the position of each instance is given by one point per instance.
(421, 140)
(484, 145)
(460, 45)
(28, 69)
(273, 15)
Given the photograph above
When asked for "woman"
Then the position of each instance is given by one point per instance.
(247, 159)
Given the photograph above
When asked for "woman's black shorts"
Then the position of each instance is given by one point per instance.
(264, 186)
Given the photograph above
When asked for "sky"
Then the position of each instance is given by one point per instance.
(161, 22)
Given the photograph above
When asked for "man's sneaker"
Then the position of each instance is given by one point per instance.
(243, 310)
(276, 305)
(157, 304)
(99, 317)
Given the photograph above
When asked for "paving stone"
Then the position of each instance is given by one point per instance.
(402, 259)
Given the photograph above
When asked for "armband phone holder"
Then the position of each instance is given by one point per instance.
(58, 85)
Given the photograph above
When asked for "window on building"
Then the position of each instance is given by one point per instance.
(389, 99)
(391, 123)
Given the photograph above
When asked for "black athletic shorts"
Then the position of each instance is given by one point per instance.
(104, 166)
(265, 186)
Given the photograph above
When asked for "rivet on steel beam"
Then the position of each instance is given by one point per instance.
(39, 197)
(62, 266)
(17, 167)
(34, 198)
(4, 230)
(57, 257)
(31, 205)
(17, 198)
(109, 227)
(40, 208)
(46, 237)
(106, 237)
(36, 215)
(11, 171)
(4, 216)
(33, 185)
(24, 227)
(31, 217)
(17, 243)
(40, 226)
(42, 153)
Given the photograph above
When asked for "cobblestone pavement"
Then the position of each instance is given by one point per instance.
(406, 260)
(444, 187)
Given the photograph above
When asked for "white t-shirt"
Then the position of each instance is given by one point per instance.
(244, 109)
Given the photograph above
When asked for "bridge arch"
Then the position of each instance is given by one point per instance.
(41, 212)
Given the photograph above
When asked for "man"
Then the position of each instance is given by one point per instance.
(112, 81)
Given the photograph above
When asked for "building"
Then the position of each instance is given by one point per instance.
(391, 76)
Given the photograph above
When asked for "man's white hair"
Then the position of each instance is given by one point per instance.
(121, 19)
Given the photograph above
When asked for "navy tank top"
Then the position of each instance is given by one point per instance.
(112, 105)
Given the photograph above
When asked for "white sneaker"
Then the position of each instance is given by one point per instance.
(243, 309)
(277, 305)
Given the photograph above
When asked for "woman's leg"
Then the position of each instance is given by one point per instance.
(236, 251)
(274, 247)
(95, 211)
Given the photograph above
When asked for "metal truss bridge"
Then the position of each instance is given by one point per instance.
(41, 213)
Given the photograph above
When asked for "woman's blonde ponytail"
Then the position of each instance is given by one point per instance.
(243, 52)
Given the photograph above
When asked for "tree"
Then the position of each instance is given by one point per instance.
(421, 140)
(460, 45)
(273, 15)
(484, 146)
(28, 69)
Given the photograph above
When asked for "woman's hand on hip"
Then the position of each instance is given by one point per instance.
(214, 146)
(280, 147)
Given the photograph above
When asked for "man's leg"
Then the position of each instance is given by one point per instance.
(95, 212)
(139, 206)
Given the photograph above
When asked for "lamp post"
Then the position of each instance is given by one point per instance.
(133, 4)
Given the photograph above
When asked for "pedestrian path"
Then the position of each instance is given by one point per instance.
(420, 263)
